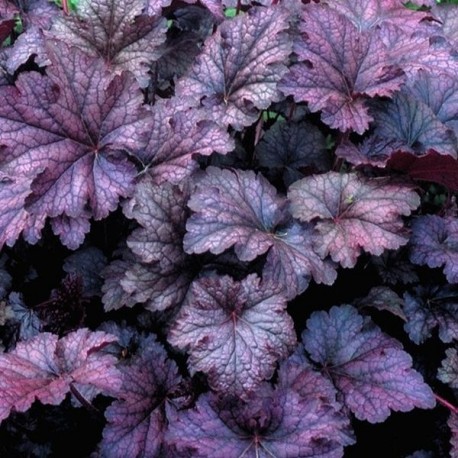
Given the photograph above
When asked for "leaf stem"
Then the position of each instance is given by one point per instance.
(447, 404)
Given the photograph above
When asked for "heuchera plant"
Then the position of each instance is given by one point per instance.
(228, 228)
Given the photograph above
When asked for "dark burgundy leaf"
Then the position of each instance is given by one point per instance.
(271, 423)
(234, 332)
(393, 267)
(88, 263)
(5, 277)
(241, 209)
(237, 73)
(44, 368)
(352, 213)
(369, 368)
(27, 320)
(412, 122)
(340, 68)
(430, 307)
(288, 147)
(434, 242)
(117, 31)
(448, 372)
(137, 422)
(73, 131)
(434, 167)
(383, 298)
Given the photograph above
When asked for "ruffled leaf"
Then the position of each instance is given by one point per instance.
(45, 368)
(237, 73)
(428, 308)
(241, 209)
(434, 242)
(448, 372)
(352, 213)
(116, 30)
(234, 332)
(340, 68)
(369, 368)
(67, 133)
(137, 422)
(270, 423)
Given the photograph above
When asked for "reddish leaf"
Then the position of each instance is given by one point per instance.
(435, 167)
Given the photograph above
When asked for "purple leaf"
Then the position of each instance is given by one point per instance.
(156, 288)
(161, 213)
(234, 332)
(448, 372)
(114, 295)
(176, 138)
(72, 131)
(367, 14)
(340, 68)
(45, 368)
(383, 298)
(88, 263)
(352, 213)
(417, 51)
(5, 277)
(288, 147)
(369, 368)
(241, 209)
(117, 31)
(453, 425)
(270, 423)
(394, 267)
(27, 319)
(373, 150)
(440, 93)
(413, 123)
(448, 17)
(427, 308)
(137, 422)
(296, 373)
(237, 73)
(434, 242)
(36, 17)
